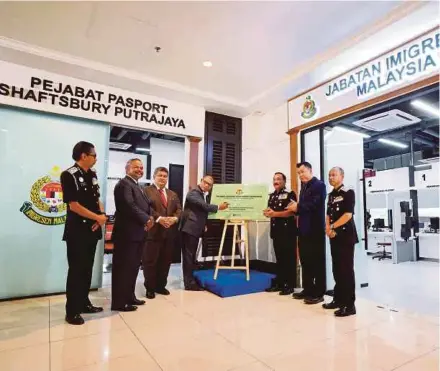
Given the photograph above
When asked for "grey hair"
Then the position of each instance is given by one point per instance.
(129, 162)
(340, 169)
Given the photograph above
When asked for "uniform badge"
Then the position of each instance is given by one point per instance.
(94, 181)
(338, 199)
(81, 179)
(283, 196)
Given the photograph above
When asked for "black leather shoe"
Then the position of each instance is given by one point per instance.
(150, 295)
(75, 320)
(332, 305)
(193, 288)
(346, 311)
(275, 288)
(287, 291)
(126, 308)
(311, 301)
(163, 291)
(299, 295)
(90, 309)
(138, 302)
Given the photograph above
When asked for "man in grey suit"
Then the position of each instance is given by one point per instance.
(132, 221)
(193, 224)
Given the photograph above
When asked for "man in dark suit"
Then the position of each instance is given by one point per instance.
(193, 224)
(132, 221)
(158, 251)
(311, 226)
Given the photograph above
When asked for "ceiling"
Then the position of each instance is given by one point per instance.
(136, 139)
(258, 49)
(425, 133)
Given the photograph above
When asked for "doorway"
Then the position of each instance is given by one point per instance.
(154, 150)
(390, 155)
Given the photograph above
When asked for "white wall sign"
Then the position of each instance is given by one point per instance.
(414, 61)
(427, 178)
(388, 180)
(35, 89)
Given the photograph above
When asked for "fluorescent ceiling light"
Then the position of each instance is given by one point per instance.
(142, 149)
(425, 107)
(393, 143)
(207, 64)
(339, 128)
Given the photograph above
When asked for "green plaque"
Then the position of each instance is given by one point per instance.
(246, 201)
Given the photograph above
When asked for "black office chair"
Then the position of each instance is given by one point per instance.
(383, 254)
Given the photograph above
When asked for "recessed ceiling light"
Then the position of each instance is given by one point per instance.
(207, 64)
(393, 143)
(142, 149)
(426, 107)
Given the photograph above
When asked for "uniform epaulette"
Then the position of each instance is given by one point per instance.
(72, 170)
(346, 189)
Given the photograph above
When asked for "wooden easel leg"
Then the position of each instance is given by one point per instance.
(234, 245)
(220, 251)
(246, 248)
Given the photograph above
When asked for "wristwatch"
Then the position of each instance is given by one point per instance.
(332, 227)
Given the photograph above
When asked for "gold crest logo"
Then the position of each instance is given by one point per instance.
(46, 204)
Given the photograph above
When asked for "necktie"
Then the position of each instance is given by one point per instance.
(162, 198)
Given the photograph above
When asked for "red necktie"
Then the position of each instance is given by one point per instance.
(163, 199)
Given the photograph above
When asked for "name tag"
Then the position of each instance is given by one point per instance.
(283, 196)
(338, 199)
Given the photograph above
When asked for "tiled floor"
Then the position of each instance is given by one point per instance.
(412, 286)
(199, 331)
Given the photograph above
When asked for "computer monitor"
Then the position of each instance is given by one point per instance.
(379, 223)
(434, 223)
(390, 219)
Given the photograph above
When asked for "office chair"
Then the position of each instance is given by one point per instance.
(383, 254)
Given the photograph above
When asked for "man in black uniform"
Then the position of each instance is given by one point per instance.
(283, 233)
(341, 230)
(85, 217)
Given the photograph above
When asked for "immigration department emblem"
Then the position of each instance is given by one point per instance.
(46, 204)
(239, 192)
(309, 108)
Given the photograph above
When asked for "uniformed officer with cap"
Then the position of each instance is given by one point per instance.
(341, 230)
(85, 217)
(283, 232)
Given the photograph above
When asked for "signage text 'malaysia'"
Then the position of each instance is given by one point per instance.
(407, 63)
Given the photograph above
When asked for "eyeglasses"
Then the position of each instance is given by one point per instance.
(207, 183)
(92, 154)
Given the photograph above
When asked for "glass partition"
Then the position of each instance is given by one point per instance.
(34, 148)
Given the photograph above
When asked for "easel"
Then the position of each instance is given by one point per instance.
(242, 240)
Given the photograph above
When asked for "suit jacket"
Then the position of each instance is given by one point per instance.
(132, 211)
(195, 213)
(174, 209)
(311, 207)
